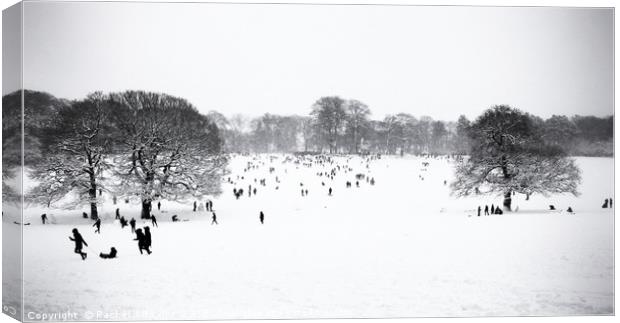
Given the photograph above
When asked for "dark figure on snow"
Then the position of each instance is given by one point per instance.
(154, 220)
(486, 210)
(141, 242)
(195, 205)
(372, 181)
(123, 222)
(261, 217)
(214, 219)
(147, 236)
(606, 204)
(110, 255)
(498, 210)
(492, 209)
(611, 202)
(479, 210)
(85, 215)
(552, 207)
(330, 191)
(118, 214)
(302, 192)
(158, 206)
(97, 226)
(175, 218)
(570, 210)
(43, 218)
(79, 243)
(132, 222)
(254, 191)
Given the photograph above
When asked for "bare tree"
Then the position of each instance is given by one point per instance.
(356, 123)
(330, 115)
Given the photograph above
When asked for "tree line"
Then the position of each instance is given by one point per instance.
(336, 125)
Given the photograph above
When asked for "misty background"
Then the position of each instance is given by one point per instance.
(434, 61)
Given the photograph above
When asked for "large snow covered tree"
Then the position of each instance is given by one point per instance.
(167, 148)
(75, 146)
(508, 154)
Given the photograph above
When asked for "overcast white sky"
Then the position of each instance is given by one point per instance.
(252, 59)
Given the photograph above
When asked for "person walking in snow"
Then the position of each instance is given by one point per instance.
(214, 219)
(79, 243)
(479, 210)
(132, 223)
(159, 206)
(142, 245)
(43, 218)
(147, 236)
(153, 220)
(97, 226)
(486, 210)
(261, 217)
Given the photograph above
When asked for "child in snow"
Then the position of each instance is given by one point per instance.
(79, 243)
(141, 238)
(110, 255)
(132, 222)
(97, 226)
(147, 236)
(123, 222)
(153, 220)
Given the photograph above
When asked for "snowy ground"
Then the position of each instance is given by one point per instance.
(400, 248)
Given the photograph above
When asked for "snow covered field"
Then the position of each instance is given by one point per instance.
(400, 248)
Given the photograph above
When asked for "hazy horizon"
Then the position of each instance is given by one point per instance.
(254, 59)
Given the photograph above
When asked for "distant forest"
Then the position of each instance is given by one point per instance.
(338, 125)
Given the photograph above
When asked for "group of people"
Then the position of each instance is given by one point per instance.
(143, 238)
(142, 235)
(497, 210)
(493, 210)
(608, 203)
